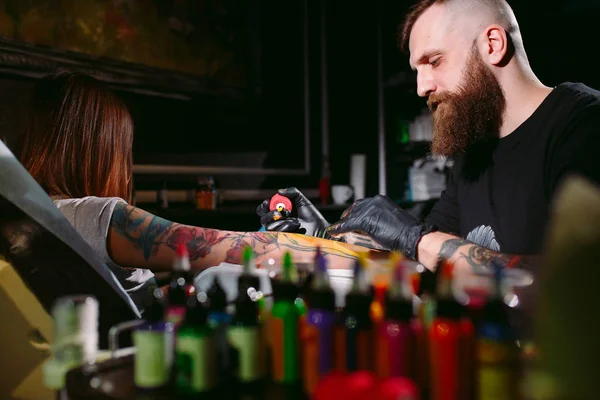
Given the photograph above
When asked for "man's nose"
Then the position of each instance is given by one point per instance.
(425, 86)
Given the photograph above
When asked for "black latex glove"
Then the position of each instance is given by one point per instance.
(308, 221)
(385, 222)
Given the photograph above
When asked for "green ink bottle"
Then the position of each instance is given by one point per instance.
(196, 353)
(283, 326)
(245, 333)
(154, 353)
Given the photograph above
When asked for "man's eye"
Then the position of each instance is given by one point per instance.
(435, 63)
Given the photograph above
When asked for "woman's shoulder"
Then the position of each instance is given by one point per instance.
(88, 210)
(88, 201)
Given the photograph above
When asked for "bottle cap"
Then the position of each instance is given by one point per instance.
(246, 310)
(398, 309)
(495, 310)
(217, 296)
(177, 294)
(195, 312)
(182, 258)
(284, 290)
(359, 306)
(247, 281)
(448, 308)
(155, 312)
(322, 299)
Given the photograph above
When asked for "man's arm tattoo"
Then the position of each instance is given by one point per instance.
(450, 247)
(478, 256)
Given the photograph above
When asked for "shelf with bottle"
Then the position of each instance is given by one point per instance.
(205, 193)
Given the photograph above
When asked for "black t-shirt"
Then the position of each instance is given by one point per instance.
(499, 194)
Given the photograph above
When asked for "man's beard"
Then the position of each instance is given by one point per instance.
(470, 115)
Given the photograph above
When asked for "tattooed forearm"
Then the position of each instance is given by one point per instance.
(450, 247)
(152, 234)
(199, 242)
(476, 256)
(264, 243)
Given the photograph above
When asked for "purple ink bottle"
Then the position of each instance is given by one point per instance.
(319, 328)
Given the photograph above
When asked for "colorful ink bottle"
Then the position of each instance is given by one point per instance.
(154, 348)
(264, 319)
(178, 287)
(358, 327)
(396, 356)
(219, 319)
(318, 332)
(245, 332)
(380, 274)
(283, 326)
(497, 350)
(445, 341)
(196, 353)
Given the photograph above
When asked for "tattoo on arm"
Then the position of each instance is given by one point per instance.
(128, 221)
(477, 256)
(148, 232)
(450, 247)
(361, 240)
(265, 242)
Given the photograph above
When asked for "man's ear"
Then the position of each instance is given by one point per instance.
(496, 43)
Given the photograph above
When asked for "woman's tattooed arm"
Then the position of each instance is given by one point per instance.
(142, 240)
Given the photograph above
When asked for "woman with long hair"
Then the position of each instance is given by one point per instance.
(77, 144)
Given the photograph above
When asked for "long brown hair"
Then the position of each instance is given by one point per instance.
(78, 139)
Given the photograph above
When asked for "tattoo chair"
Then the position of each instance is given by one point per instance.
(44, 259)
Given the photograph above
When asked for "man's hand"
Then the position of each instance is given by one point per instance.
(384, 221)
(309, 220)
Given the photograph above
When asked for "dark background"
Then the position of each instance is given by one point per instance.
(559, 37)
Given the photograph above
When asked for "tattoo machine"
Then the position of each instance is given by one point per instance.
(281, 204)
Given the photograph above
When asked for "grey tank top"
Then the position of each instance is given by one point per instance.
(90, 216)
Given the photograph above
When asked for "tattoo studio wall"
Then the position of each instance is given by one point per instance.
(202, 38)
(205, 80)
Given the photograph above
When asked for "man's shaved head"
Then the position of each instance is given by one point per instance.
(470, 62)
(455, 47)
(467, 18)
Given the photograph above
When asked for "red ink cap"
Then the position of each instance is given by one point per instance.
(279, 203)
(182, 249)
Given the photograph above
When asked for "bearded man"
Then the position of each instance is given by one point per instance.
(513, 140)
